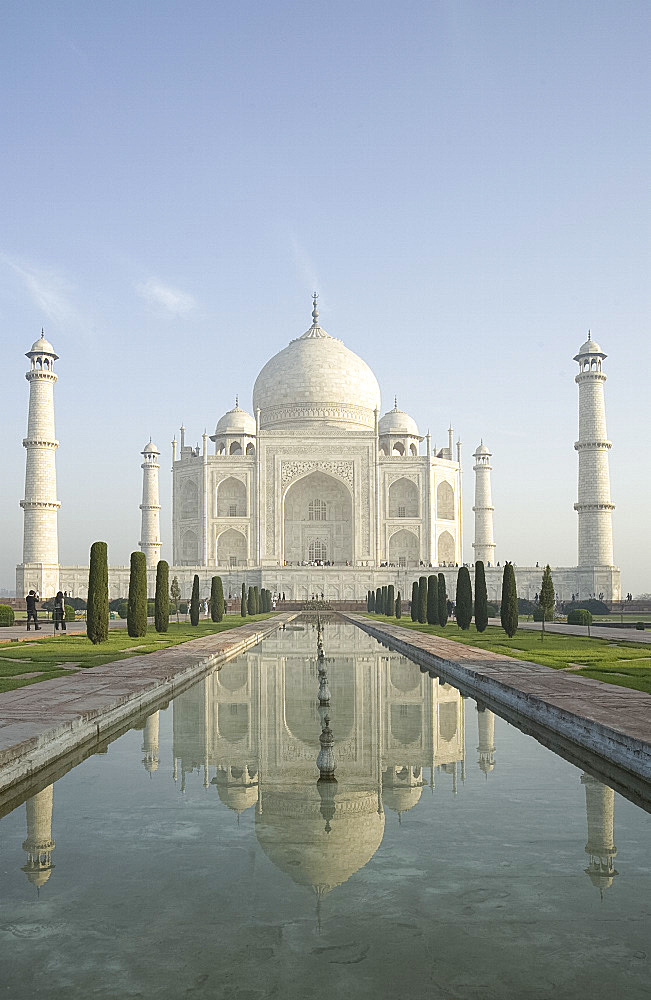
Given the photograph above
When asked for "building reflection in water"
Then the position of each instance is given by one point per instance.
(39, 844)
(251, 731)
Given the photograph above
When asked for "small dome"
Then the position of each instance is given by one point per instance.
(236, 421)
(399, 423)
(42, 346)
(237, 797)
(150, 448)
(401, 799)
(482, 450)
(590, 347)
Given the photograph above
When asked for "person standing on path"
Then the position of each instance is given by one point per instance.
(59, 612)
(32, 615)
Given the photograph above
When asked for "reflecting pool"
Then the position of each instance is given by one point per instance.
(198, 856)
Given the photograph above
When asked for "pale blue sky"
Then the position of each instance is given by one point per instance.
(465, 183)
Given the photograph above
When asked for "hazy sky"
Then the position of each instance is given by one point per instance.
(466, 184)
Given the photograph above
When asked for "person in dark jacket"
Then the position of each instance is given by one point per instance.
(32, 615)
(59, 612)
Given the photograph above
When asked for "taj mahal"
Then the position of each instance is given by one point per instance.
(318, 492)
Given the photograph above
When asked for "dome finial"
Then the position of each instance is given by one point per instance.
(395, 402)
(237, 401)
(315, 311)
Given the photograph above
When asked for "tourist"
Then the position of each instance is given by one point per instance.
(59, 613)
(32, 615)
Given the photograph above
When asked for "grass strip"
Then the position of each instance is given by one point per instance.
(626, 664)
(49, 654)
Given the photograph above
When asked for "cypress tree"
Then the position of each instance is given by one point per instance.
(481, 597)
(547, 598)
(509, 607)
(371, 600)
(378, 601)
(216, 599)
(432, 600)
(442, 601)
(391, 602)
(194, 601)
(256, 600)
(137, 610)
(97, 611)
(463, 610)
(422, 599)
(243, 601)
(368, 600)
(175, 595)
(398, 611)
(162, 598)
(250, 602)
(414, 602)
(385, 599)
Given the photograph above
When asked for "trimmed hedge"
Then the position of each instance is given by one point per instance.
(422, 599)
(216, 599)
(6, 615)
(68, 613)
(580, 616)
(442, 602)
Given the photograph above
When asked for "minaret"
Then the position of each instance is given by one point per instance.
(600, 808)
(483, 544)
(594, 505)
(150, 742)
(486, 748)
(40, 566)
(39, 844)
(150, 542)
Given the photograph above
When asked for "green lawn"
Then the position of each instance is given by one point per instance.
(46, 657)
(627, 664)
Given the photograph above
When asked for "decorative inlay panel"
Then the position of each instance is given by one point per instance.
(340, 470)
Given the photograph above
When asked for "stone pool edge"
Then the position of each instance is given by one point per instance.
(578, 709)
(43, 722)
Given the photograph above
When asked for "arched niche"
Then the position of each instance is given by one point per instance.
(403, 548)
(398, 448)
(236, 448)
(403, 499)
(405, 675)
(318, 508)
(231, 548)
(231, 498)
(406, 724)
(233, 722)
(233, 675)
(446, 548)
(189, 499)
(250, 448)
(190, 548)
(448, 720)
(413, 449)
(445, 501)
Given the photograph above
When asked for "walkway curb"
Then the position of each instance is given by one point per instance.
(610, 721)
(42, 722)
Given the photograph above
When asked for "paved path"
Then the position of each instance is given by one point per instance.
(613, 722)
(42, 722)
(596, 631)
(19, 632)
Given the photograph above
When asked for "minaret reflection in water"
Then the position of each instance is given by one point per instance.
(39, 844)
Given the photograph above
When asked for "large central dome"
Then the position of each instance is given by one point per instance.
(316, 378)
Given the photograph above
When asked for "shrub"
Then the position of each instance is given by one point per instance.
(162, 599)
(492, 610)
(591, 604)
(640, 626)
(216, 599)
(137, 610)
(509, 603)
(243, 601)
(183, 607)
(175, 595)
(422, 599)
(580, 616)
(442, 602)
(391, 601)
(414, 602)
(97, 617)
(526, 607)
(6, 615)
(463, 611)
(538, 614)
(481, 597)
(68, 613)
(398, 606)
(194, 601)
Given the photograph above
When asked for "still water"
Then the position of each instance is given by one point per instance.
(454, 858)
